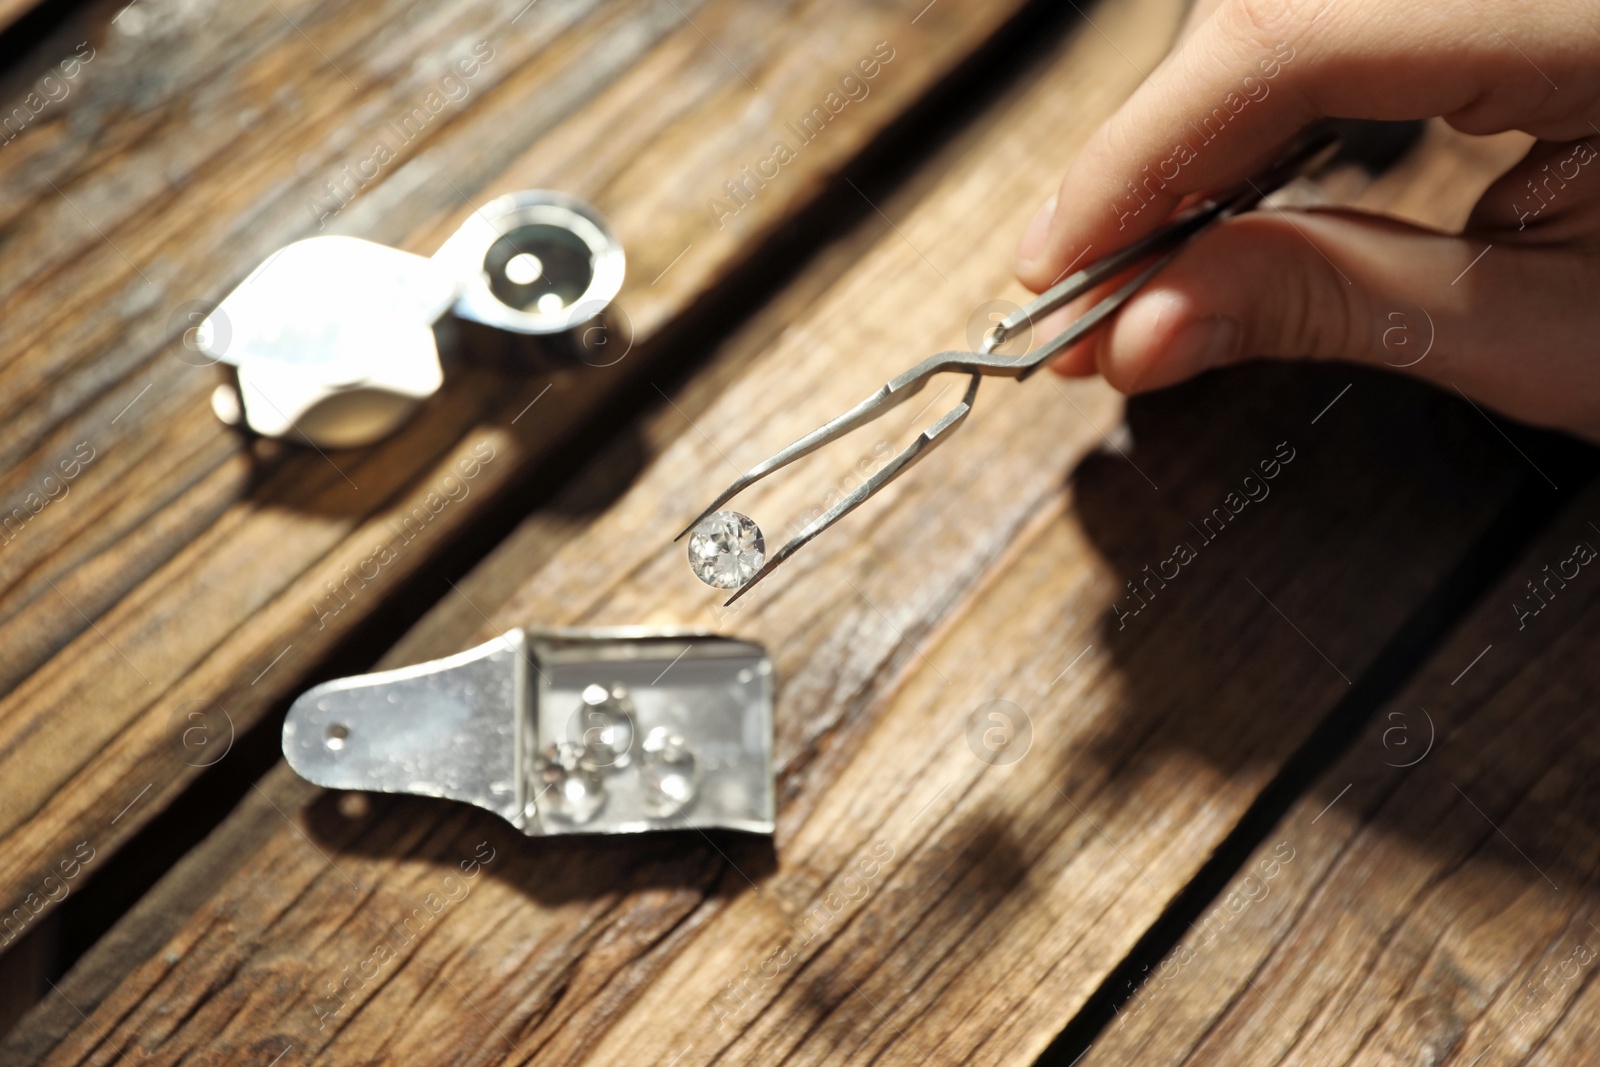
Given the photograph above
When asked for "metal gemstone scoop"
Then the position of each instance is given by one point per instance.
(559, 732)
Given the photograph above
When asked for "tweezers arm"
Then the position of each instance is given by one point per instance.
(925, 443)
(896, 391)
(1162, 245)
(1168, 236)
(1092, 319)
(1313, 144)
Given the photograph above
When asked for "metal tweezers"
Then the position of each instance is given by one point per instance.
(1165, 243)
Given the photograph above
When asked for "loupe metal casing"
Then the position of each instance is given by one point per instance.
(331, 339)
(537, 262)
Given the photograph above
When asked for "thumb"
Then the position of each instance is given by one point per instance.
(1512, 325)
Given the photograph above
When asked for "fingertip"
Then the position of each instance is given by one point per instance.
(1079, 361)
(1050, 245)
(1162, 337)
(1035, 239)
(1137, 335)
(1075, 361)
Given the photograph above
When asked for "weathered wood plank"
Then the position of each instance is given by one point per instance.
(1434, 898)
(448, 626)
(178, 568)
(966, 909)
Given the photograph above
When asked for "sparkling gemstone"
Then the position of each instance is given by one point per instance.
(669, 771)
(566, 788)
(603, 726)
(726, 550)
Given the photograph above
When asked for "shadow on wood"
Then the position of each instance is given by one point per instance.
(548, 870)
(1389, 474)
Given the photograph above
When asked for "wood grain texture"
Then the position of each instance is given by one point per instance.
(450, 624)
(917, 902)
(1434, 899)
(180, 569)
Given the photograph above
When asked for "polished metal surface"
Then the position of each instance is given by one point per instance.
(1163, 245)
(615, 731)
(332, 337)
(535, 262)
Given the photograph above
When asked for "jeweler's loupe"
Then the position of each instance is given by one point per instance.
(331, 339)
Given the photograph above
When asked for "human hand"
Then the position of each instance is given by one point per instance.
(1515, 327)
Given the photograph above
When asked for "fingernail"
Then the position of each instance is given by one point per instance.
(1203, 343)
(1033, 237)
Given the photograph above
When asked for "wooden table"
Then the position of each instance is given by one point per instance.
(1329, 797)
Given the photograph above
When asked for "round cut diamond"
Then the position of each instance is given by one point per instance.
(670, 773)
(726, 550)
(603, 726)
(568, 789)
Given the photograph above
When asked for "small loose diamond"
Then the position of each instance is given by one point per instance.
(726, 550)
(670, 773)
(603, 726)
(567, 789)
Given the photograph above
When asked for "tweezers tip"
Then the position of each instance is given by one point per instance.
(698, 519)
(747, 586)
